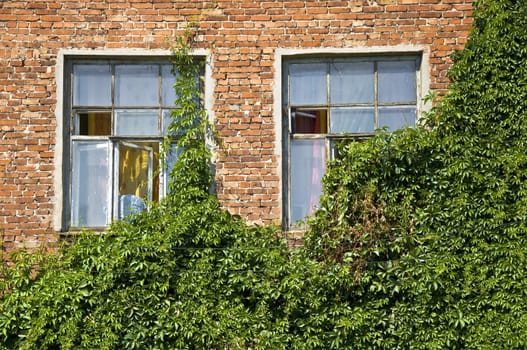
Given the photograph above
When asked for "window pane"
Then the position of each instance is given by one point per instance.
(397, 117)
(352, 82)
(308, 84)
(335, 149)
(397, 81)
(171, 159)
(92, 85)
(352, 119)
(135, 177)
(167, 119)
(169, 79)
(312, 121)
(307, 168)
(94, 124)
(90, 184)
(136, 122)
(136, 85)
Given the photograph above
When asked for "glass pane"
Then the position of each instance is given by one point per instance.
(397, 117)
(169, 79)
(308, 165)
(397, 81)
(310, 121)
(90, 200)
(92, 85)
(352, 82)
(352, 119)
(171, 159)
(136, 85)
(308, 84)
(167, 119)
(94, 124)
(335, 148)
(136, 122)
(135, 178)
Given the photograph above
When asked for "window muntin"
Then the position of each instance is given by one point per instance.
(119, 111)
(326, 97)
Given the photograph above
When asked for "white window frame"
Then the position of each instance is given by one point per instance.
(62, 200)
(281, 107)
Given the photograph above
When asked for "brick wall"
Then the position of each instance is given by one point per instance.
(242, 37)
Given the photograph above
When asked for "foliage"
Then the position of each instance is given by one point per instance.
(186, 274)
(419, 242)
(432, 221)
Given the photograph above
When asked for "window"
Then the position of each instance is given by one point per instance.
(119, 112)
(325, 99)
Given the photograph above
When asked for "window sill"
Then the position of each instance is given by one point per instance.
(294, 236)
(75, 231)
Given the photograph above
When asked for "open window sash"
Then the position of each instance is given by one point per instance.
(134, 169)
(90, 183)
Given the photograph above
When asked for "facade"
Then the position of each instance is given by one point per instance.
(85, 91)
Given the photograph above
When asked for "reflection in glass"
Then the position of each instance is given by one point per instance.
(352, 82)
(397, 81)
(90, 184)
(135, 177)
(352, 119)
(136, 85)
(397, 117)
(307, 168)
(308, 83)
(335, 149)
(136, 122)
(92, 85)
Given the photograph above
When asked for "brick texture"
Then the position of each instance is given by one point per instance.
(242, 37)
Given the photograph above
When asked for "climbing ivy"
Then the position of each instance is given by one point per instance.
(186, 274)
(432, 221)
(420, 240)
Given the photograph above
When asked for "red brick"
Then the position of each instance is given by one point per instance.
(242, 37)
